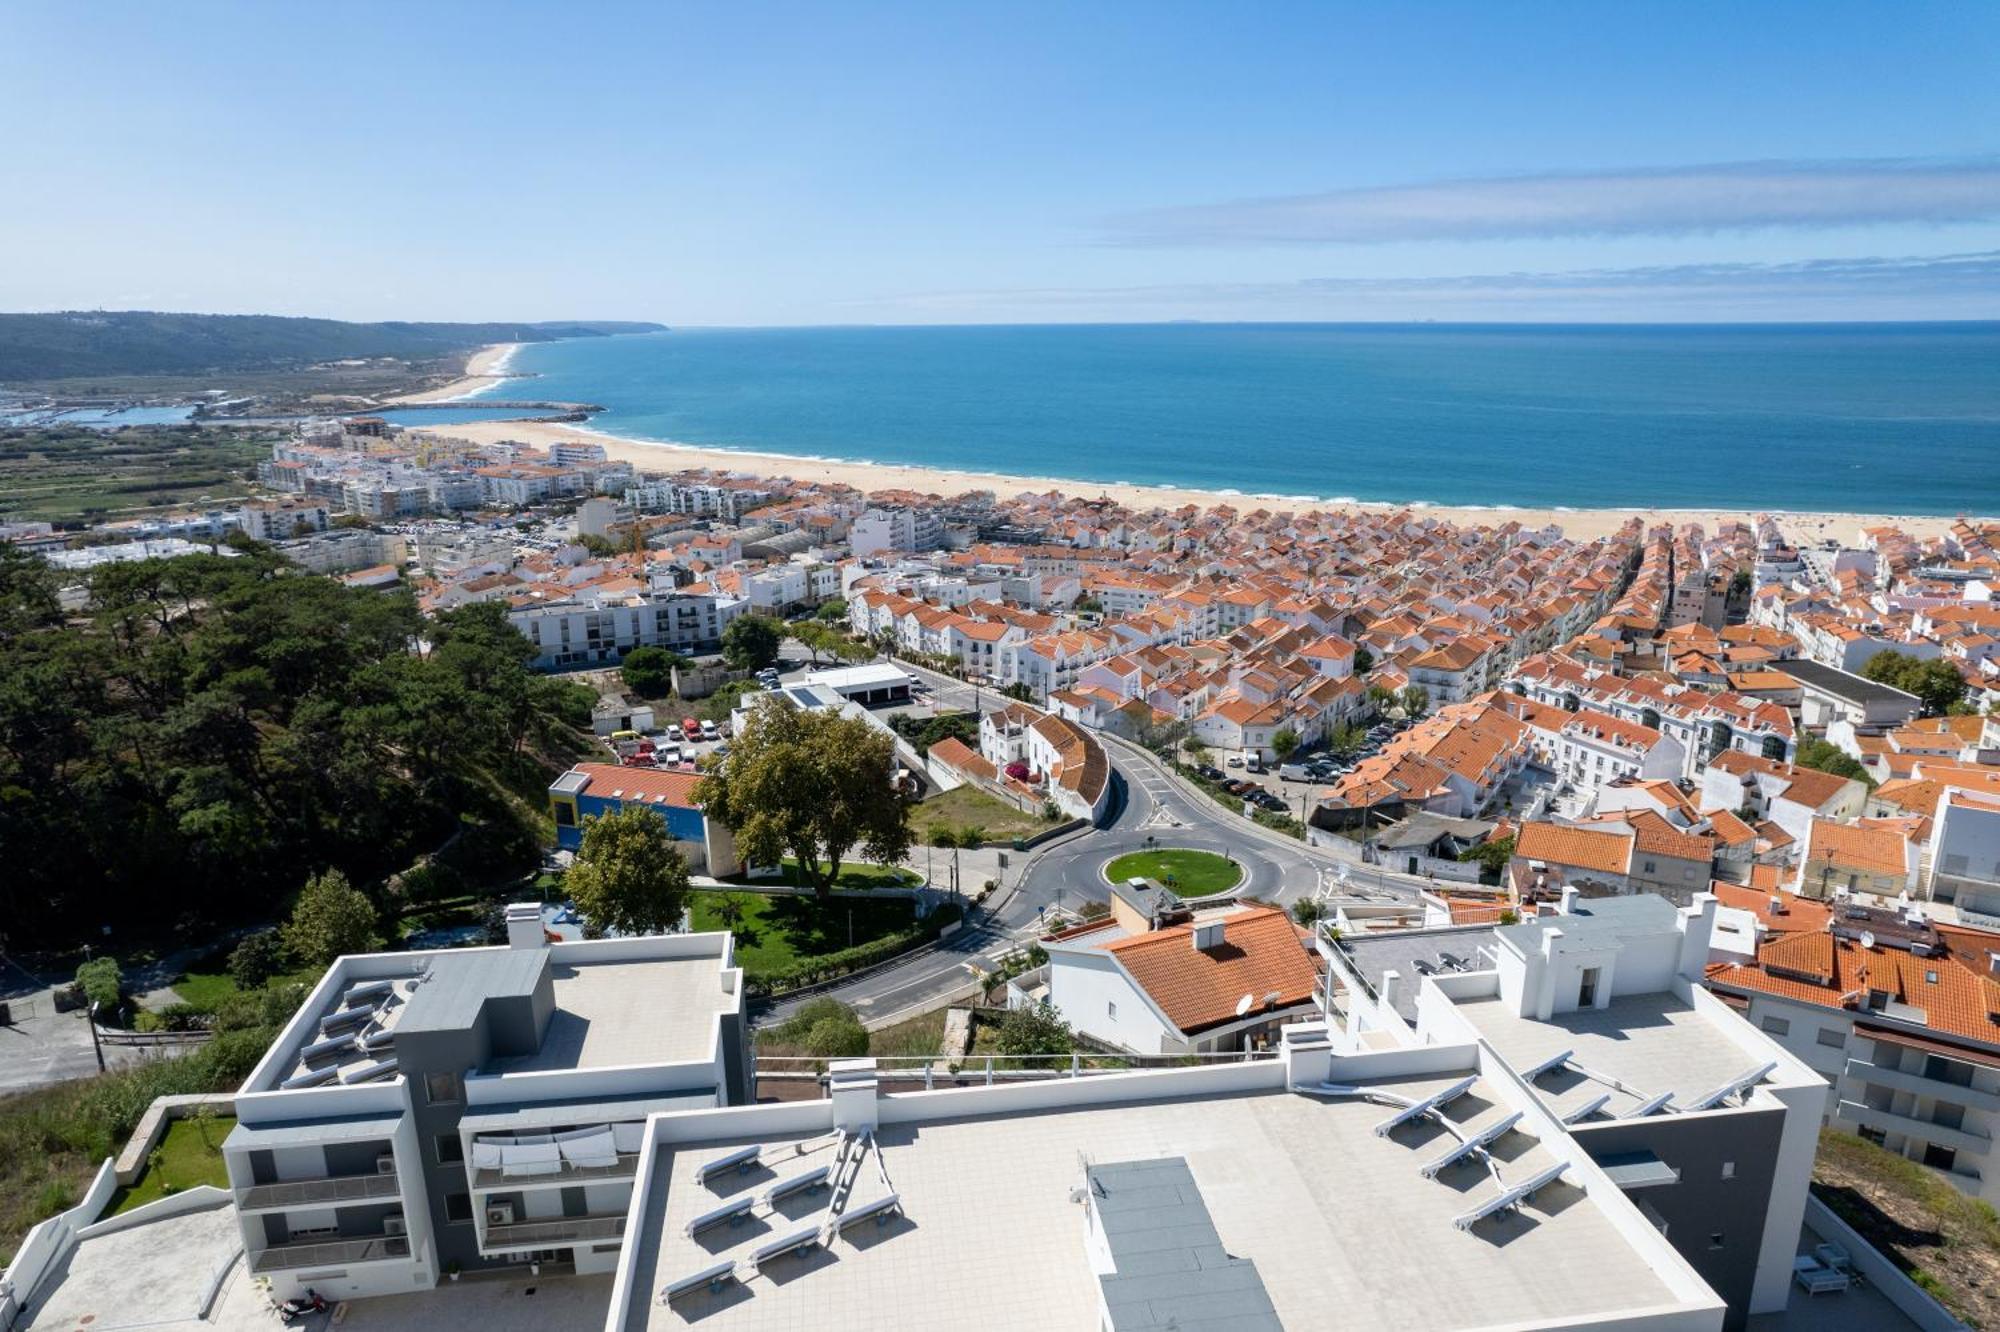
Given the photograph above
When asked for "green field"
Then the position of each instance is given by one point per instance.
(1186, 873)
(970, 807)
(779, 929)
(189, 1154)
(61, 474)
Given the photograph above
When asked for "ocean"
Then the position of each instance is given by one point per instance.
(1859, 418)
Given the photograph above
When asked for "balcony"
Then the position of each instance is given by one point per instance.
(318, 1192)
(1970, 1097)
(569, 1173)
(555, 1232)
(1962, 1140)
(331, 1253)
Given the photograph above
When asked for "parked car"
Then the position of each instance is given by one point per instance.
(1253, 763)
(1295, 772)
(1211, 772)
(1234, 760)
(708, 731)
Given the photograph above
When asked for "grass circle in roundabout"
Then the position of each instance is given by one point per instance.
(1186, 872)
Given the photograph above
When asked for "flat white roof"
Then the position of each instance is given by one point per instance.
(875, 674)
(1653, 1043)
(1341, 1224)
(650, 1011)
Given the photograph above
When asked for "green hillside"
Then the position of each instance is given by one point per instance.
(137, 342)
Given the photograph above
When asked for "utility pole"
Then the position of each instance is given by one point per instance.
(90, 1016)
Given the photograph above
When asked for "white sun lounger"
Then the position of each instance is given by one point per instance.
(714, 1278)
(742, 1160)
(736, 1211)
(778, 1248)
(1425, 1106)
(1477, 1142)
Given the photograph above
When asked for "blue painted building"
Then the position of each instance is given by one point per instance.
(590, 790)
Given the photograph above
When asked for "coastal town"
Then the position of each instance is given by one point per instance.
(1621, 877)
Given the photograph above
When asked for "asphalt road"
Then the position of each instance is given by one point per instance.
(1148, 802)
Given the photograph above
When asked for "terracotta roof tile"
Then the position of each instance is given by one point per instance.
(1260, 954)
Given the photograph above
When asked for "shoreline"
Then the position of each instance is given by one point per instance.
(484, 368)
(1585, 524)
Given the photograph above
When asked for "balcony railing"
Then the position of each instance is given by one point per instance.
(565, 1230)
(311, 1192)
(1958, 1139)
(1903, 1080)
(332, 1253)
(627, 1168)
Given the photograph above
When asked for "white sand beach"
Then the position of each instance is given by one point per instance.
(481, 368)
(1583, 523)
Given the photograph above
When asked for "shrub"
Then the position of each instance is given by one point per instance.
(258, 958)
(837, 1039)
(1036, 1030)
(101, 981)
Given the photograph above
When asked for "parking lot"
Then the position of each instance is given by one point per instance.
(1323, 770)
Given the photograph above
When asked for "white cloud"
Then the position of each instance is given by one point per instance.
(1681, 200)
(1947, 286)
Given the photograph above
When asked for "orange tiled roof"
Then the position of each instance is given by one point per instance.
(1260, 954)
(1580, 848)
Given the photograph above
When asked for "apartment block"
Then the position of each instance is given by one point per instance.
(475, 1109)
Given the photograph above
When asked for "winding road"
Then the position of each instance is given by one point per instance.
(1148, 801)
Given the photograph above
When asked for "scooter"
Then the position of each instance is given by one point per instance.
(300, 1305)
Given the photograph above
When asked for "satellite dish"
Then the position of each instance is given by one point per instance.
(1243, 1004)
(1868, 939)
(1270, 998)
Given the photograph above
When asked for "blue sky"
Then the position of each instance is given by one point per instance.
(811, 164)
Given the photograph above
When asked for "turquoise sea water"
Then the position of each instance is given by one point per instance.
(1869, 418)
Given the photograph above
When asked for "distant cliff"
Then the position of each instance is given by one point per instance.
(139, 342)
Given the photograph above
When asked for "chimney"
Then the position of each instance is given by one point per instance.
(1777, 904)
(524, 925)
(1207, 935)
(1569, 899)
(851, 1085)
(1307, 1052)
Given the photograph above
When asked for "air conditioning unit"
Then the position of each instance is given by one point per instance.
(385, 1164)
(500, 1214)
(392, 1224)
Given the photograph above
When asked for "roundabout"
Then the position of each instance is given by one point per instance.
(1185, 871)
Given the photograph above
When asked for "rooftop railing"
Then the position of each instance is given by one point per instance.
(989, 1069)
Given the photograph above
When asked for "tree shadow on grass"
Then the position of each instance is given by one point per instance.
(1876, 1226)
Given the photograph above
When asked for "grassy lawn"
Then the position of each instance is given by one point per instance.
(189, 1154)
(1187, 873)
(780, 929)
(1943, 1240)
(853, 874)
(919, 1037)
(970, 807)
(206, 990)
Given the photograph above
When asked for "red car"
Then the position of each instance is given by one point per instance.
(690, 728)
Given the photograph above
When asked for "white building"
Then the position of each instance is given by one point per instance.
(475, 1108)
(594, 626)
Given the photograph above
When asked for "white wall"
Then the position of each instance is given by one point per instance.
(1085, 985)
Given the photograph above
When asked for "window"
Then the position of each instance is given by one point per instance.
(441, 1088)
(450, 1150)
(1874, 1135)
(1776, 1026)
(458, 1207)
(1729, 1170)
(1715, 1239)
(1833, 1037)
(1111, 1009)
(1939, 1069)
(1939, 1158)
(1652, 868)
(565, 814)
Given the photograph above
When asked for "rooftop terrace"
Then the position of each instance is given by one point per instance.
(988, 1225)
